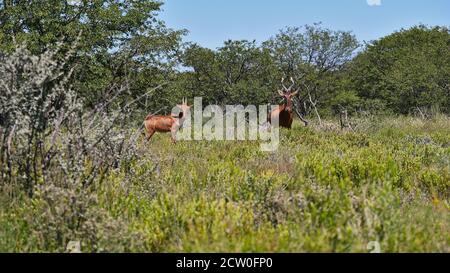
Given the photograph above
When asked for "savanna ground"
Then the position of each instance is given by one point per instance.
(323, 190)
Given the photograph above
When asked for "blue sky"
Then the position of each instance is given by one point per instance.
(210, 22)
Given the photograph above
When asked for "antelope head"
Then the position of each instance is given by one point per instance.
(287, 93)
(184, 108)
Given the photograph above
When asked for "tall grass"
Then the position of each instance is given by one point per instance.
(327, 191)
(75, 176)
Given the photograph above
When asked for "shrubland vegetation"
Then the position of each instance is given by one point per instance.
(76, 81)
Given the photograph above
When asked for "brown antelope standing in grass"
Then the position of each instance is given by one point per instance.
(284, 111)
(165, 124)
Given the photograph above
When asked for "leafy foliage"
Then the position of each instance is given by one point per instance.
(314, 57)
(406, 70)
(122, 42)
(237, 73)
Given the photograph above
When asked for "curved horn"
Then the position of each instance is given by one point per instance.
(293, 94)
(282, 83)
(293, 83)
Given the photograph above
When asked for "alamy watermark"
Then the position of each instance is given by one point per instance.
(232, 123)
(374, 247)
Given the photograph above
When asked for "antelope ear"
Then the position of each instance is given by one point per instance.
(281, 92)
(295, 93)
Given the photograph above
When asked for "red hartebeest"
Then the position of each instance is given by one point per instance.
(284, 111)
(167, 124)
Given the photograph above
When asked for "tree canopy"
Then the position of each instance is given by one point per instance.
(124, 49)
(119, 42)
(405, 70)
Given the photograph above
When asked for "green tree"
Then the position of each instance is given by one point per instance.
(407, 71)
(237, 73)
(313, 56)
(120, 42)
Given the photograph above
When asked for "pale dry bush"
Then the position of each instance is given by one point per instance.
(57, 153)
(326, 125)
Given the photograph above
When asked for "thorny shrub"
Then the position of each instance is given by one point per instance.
(57, 153)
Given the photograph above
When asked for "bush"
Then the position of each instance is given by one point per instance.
(57, 153)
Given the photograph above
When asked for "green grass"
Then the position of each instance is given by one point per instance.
(322, 191)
